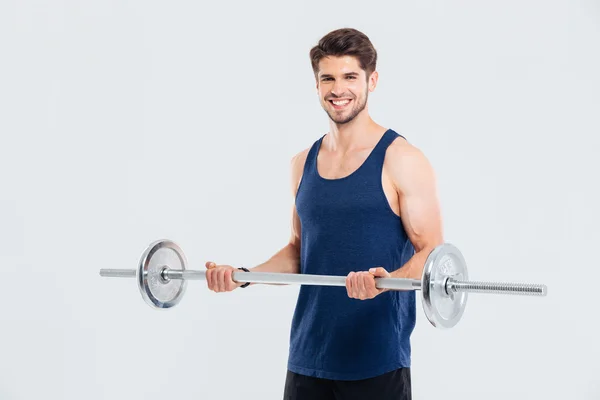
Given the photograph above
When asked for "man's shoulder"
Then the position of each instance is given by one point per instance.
(406, 163)
(300, 157)
(401, 149)
(297, 167)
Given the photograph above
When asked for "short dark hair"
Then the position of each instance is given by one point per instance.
(345, 42)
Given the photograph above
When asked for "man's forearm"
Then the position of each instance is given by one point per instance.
(286, 260)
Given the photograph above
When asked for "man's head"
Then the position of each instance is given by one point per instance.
(344, 63)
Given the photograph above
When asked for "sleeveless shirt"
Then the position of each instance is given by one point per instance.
(348, 225)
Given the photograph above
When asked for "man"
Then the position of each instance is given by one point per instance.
(366, 206)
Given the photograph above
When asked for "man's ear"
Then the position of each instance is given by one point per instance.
(373, 81)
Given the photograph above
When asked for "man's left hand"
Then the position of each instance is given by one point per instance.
(361, 285)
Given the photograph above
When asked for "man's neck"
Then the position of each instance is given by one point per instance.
(353, 135)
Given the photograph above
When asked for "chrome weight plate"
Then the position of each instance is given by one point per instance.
(157, 291)
(442, 309)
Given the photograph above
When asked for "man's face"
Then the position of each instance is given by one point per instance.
(343, 87)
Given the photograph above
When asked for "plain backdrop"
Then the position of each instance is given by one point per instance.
(124, 122)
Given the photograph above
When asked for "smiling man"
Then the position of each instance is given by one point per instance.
(366, 206)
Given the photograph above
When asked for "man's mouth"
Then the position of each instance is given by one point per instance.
(340, 104)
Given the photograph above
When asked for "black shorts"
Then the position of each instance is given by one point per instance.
(394, 385)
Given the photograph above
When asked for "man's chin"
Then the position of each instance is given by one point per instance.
(341, 119)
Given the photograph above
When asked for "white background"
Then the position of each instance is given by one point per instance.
(124, 122)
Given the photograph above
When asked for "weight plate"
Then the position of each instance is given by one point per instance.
(443, 310)
(156, 291)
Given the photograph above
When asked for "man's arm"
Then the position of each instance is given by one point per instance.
(219, 278)
(415, 182)
(287, 260)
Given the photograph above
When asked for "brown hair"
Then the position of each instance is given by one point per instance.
(345, 42)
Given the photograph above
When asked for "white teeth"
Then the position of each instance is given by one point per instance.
(340, 103)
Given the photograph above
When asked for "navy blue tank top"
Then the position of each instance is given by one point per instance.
(348, 225)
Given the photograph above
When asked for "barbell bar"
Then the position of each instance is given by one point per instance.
(162, 276)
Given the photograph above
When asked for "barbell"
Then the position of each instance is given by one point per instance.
(162, 277)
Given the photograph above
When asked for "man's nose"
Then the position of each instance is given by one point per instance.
(338, 88)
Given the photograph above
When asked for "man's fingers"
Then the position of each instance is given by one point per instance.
(222, 280)
(363, 285)
(355, 285)
(229, 283)
(349, 284)
(209, 279)
(369, 283)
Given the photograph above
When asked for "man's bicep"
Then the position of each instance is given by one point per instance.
(419, 202)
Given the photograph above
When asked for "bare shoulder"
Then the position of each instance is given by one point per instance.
(297, 167)
(408, 166)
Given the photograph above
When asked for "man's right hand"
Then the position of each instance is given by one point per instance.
(220, 277)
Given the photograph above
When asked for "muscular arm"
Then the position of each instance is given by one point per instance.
(287, 260)
(415, 182)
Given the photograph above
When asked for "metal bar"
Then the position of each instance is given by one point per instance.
(329, 280)
(118, 273)
(301, 279)
(496, 288)
(274, 278)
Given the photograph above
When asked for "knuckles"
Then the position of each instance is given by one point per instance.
(219, 279)
(357, 280)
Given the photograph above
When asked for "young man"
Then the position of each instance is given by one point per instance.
(366, 206)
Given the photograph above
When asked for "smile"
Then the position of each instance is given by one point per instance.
(340, 104)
